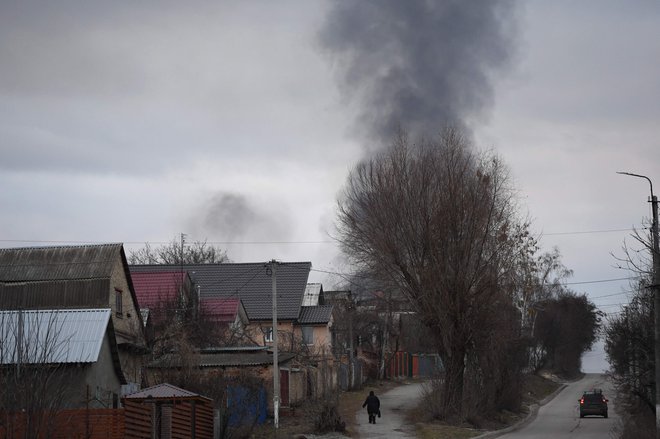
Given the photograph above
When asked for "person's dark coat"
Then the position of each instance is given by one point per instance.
(372, 403)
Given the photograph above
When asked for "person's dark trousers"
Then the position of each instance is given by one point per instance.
(372, 418)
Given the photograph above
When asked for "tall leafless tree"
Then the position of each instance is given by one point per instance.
(438, 222)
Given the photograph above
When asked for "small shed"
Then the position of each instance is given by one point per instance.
(167, 411)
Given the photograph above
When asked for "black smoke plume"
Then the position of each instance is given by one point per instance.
(418, 64)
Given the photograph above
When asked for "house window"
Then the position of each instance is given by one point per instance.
(268, 334)
(118, 302)
(308, 334)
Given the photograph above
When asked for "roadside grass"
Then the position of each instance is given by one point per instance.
(535, 388)
(438, 431)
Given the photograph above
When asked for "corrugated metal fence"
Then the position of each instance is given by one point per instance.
(408, 365)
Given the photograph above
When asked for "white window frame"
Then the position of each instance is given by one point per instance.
(268, 334)
(310, 333)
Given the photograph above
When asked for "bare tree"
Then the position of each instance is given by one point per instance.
(630, 348)
(438, 222)
(179, 252)
(34, 379)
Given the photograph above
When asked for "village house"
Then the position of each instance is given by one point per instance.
(78, 277)
(71, 355)
(169, 297)
(303, 321)
(252, 284)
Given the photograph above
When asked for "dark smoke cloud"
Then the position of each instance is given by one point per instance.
(231, 217)
(418, 65)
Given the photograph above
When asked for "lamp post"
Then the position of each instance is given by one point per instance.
(656, 286)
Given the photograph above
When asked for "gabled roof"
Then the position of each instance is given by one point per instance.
(155, 289)
(251, 282)
(310, 315)
(313, 293)
(220, 309)
(58, 263)
(164, 391)
(76, 276)
(55, 336)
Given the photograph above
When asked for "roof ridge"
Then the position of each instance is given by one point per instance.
(39, 247)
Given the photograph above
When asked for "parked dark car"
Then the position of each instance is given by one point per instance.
(593, 403)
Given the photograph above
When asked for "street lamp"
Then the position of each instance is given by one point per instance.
(655, 285)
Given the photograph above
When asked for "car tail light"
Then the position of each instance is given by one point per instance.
(582, 401)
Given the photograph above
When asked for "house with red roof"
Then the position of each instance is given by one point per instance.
(170, 296)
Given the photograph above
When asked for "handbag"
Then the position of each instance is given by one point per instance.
(379, 413)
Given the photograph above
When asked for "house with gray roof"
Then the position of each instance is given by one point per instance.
(252, 283)
(78, 277)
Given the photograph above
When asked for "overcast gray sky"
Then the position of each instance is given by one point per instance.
(237, 122)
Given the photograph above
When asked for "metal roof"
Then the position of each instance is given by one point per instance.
(219, 309)
(153, 289)
(310, 315)
(163, 391)
(52, 336)
(58, 263)
(312, 294)
(235, 359)
(250, 282)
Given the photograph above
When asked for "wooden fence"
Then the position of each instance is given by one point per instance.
(65, 424)
(182, 419)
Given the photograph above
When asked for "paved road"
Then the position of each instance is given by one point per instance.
(560, 418)
(393, 405)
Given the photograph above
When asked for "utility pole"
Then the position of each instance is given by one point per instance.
(351, 348)
(656, 297)
(276, 369)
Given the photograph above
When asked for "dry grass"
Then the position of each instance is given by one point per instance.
(300, 420)
(439, 431)
(535, 389)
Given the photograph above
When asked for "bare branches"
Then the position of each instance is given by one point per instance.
(197, 252)
(437, 221)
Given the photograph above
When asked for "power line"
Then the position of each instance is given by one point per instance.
(613, 294)
(167, 242)
(331, 241)
(600, 280)
(586, 232)
(346, 276)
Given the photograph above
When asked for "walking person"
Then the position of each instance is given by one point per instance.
(372, 403)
